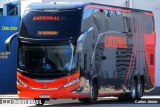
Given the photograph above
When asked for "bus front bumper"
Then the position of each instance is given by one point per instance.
(63, 92)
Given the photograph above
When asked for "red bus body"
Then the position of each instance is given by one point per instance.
(111, 55)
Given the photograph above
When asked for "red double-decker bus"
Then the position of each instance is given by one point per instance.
(85, 51)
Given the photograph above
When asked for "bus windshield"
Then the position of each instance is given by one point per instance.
(36, 58)
(51, 24)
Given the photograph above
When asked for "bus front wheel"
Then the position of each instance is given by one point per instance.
(93, 95)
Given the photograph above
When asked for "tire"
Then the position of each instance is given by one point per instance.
(133, 89)
(131, 95)
(136, 92)
(93, 95)
(41, 100)
(125, 97)
(139, 90)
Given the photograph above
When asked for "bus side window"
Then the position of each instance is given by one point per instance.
(149, 24)
(151, 59)
(127, 24)
(87, 19)
(115, 23)
(84, 60)
(100, 21)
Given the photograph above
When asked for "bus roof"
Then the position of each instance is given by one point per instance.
(56, 5)
(132, 9)
(73, 5)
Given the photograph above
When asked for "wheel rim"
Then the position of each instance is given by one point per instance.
(133, 90)
(133, 93)
(92, 92)
(139, 89)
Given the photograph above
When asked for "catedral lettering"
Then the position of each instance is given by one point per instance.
(37, 18)
(115, 42)
(89, 58)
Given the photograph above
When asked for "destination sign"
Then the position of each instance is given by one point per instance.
(47, 33)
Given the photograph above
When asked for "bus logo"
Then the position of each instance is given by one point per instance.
(38, 18)
(47, 33)
(115, 42)
(44, 86)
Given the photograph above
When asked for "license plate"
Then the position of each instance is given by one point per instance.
(44, 96)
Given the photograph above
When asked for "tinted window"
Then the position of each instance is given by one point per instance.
(87, 19)
(61, 24)
(110, 13)
(100, 21)
(12, 10)
(151, 59)
(115, 21)
(118, 21)
(149, 24)
(47, 58)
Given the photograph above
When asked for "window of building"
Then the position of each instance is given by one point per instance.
(1, 11)
(12, 10)
(3, 55)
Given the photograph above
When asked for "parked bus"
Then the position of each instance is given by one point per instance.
(85, 51)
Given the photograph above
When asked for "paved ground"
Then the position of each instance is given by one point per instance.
(102, 102)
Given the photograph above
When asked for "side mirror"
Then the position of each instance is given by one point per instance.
(8, 42)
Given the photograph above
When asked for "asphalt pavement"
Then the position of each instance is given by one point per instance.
(102, 102)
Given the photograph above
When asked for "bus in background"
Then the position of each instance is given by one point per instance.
(84, 51)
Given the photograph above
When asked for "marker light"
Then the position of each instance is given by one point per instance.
(21, 83)
(72, 82)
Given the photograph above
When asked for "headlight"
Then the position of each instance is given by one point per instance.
(72, 82)
(21, 83)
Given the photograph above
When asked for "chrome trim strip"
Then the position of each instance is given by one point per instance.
(44, 80)
(44, 88)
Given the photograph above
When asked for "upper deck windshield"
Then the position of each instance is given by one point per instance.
(60, 24)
